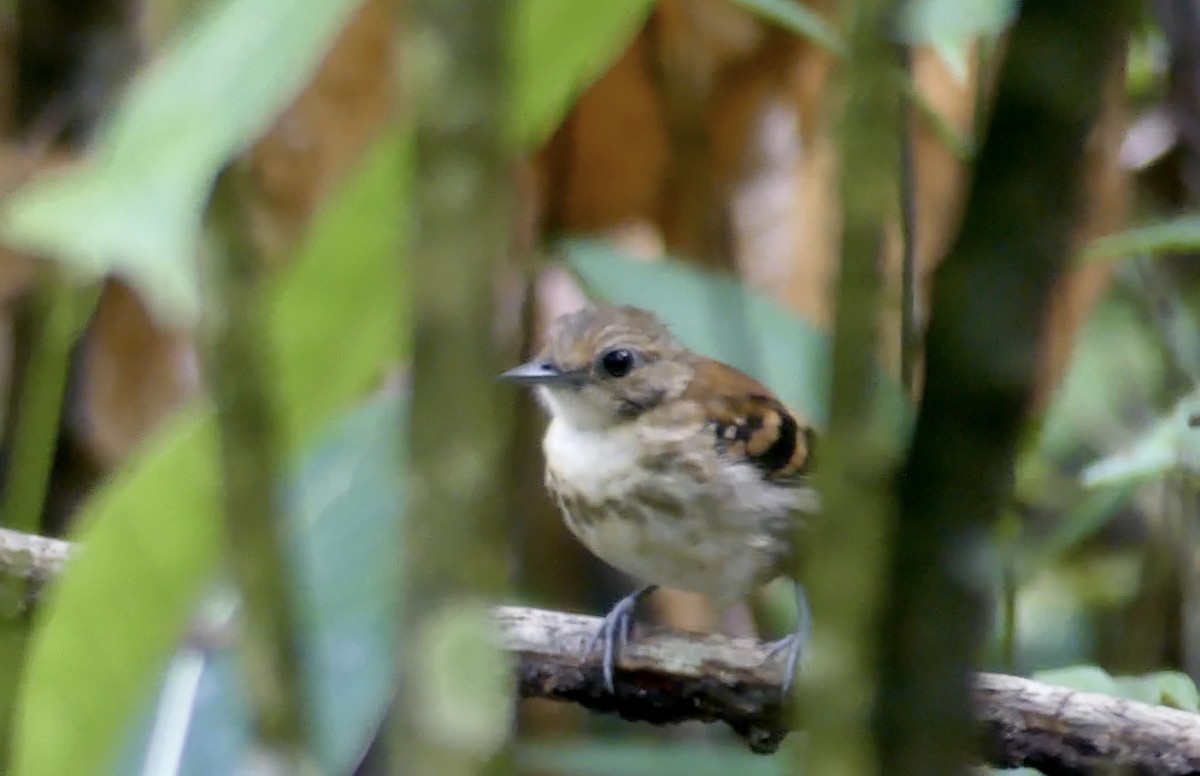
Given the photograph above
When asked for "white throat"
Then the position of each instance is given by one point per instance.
(567, 406)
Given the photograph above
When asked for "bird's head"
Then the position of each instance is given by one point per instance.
(604, 366)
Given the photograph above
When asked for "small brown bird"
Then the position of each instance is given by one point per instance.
(676, 469)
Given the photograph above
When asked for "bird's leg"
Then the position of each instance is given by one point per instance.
(614, 632)
(796, 642)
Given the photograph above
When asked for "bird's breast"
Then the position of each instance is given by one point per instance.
(661, 506)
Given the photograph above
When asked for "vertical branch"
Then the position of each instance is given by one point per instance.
(909, 330)
(39, 404)
(857, 459)
(238, 374)
(456, 544)
(987, 318)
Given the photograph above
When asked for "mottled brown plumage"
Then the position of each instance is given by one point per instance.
(674, 468)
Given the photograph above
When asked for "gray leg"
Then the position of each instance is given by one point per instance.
(614, 632)
(797, 641)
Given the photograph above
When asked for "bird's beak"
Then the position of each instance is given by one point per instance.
(535, 373)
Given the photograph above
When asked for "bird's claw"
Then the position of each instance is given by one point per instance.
(794, 646)
(795, 643)
(613, 634)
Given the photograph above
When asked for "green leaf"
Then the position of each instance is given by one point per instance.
(1177, 235)
(718, 316)
(135, 208)
(1084, 678)
(1162, 688)
(104, 629)
(346, 533)
(952, 26)
(603, 758)
(559, 48)
(151, 533)
(799, 19)
(1172, 444)
(340, 317)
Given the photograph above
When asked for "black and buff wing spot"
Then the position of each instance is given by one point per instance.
(750, 423)
(758, 428)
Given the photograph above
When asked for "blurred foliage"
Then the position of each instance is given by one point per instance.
(560, 47)
(106, 634)
(1175, 235)
(164, 500)
(952, 27)
(799, 19)
(135, 211)
(1162, 688)
(342, 515)
(717, 315)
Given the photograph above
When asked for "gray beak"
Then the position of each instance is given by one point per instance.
(534, 373)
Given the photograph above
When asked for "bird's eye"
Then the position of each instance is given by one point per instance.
(617, 363)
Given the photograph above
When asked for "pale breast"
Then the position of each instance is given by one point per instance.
(658, 505)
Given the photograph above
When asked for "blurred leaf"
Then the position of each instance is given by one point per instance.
(151, 532)
(105, 627)
(341, 315)
(718, 316)
(659, 758)
(559, 48)
(801, 20)
(1177, 235)
(951, 27)
(1084, 678)
(798, 19)
(134, 209)
(1172, 444)
(343, 511)
(1163, 688)
(1083, 521)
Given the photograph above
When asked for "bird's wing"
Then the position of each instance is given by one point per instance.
(751, 423)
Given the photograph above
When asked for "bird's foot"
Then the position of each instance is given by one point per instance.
(613, 634)
(795, 643)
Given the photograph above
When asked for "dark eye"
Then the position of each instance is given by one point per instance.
(617, 363)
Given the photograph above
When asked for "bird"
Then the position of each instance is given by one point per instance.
(676, 469)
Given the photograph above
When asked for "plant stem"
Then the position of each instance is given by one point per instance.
(859, 448)
(238, 372)
(458, 435)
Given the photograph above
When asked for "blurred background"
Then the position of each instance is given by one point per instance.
(675, 154)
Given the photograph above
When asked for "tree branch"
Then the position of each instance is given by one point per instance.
(669, 677)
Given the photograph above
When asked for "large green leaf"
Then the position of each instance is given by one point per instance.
(151, 538)
(107, 627)
(345, 530)
(718, 316)
(952, 27)
(135, 208)
(558, 48)
(1161, 688)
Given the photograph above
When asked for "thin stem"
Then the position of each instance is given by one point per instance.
(858, 449)
(909, 331)
(39, 408)
(458, 426)
(238, 373)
